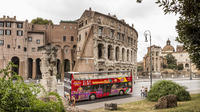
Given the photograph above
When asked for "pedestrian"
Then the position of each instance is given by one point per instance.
(68, 99)
(73, 101)
(142, 91)
(145, 91)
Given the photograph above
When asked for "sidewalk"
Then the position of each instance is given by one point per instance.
(156, 79)
(101, 104)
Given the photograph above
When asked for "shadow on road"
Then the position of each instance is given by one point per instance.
(102, 99)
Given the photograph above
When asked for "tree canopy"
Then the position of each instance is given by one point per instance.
(18, 96)
(41, 21)
(188, 24)
(171, 61)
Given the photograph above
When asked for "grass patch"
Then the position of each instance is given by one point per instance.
(146, 106)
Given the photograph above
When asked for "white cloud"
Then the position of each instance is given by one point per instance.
(145, 16)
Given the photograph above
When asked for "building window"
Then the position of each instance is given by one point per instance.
(64, 38)
(33, 49)
(1, 42)
(118, 36)
(19, 25)
(1, 32)
(100, 31)
(8, 24)
(8, 46)
(129, 40)
(37, 41)
(8, 32)
(19, 46)
(1, 24)
(85, 21)
(157, 53)
(186, 65)
(25, 49)
(112, 33)
(29, 39)
(19, 33)
(72, 38)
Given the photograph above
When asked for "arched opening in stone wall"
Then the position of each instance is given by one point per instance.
(123, 54)
(66, 65)
(127, 55)
(186, 65)
(100, 51)
(110, 52)
(38, 71)
(101, 69)
(117, 53)
(110, 69)
(58, 69)
(15, 60)
(30, 67)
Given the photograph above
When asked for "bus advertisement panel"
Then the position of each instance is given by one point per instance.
(97, 87)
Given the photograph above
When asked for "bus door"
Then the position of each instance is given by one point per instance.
(106, 89)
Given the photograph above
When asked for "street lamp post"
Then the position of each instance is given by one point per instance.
(190, 71)
(146, 34)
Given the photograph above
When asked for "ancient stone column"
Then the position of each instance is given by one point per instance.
(21, 69)
(34, 69)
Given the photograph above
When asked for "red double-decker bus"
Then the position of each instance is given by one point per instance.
(92, 85)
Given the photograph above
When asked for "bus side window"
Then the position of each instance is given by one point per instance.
(125, 84)
(129, 84)
(118, 85)
(94, 88)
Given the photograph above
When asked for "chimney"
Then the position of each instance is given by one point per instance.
(90, 9)
(15, 17)
(8, 17)
(132, 25)
(26, 21)
(109, 14)
(4, 16)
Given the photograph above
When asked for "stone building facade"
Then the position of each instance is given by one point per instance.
(105, 43)
(94, 42)
(158, 58)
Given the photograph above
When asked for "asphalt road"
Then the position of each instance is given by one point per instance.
(192, 85)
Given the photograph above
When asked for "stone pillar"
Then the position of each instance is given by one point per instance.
(26, 68)
(34, 69)
(62, 64)
(21, 69)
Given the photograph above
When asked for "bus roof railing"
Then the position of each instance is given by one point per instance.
(98, 72)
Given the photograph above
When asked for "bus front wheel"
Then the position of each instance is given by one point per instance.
(121, 92)
(92, 97)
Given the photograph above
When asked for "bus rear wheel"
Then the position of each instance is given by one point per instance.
(92, 97)
(121, 92)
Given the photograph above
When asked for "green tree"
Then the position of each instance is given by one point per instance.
(188, 25)
(180, 67)
(171, 61)
(17, 96)
(41, 21)
(140, 68)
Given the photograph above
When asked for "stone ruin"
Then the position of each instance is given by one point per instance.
(168, 101)
(49, 67)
